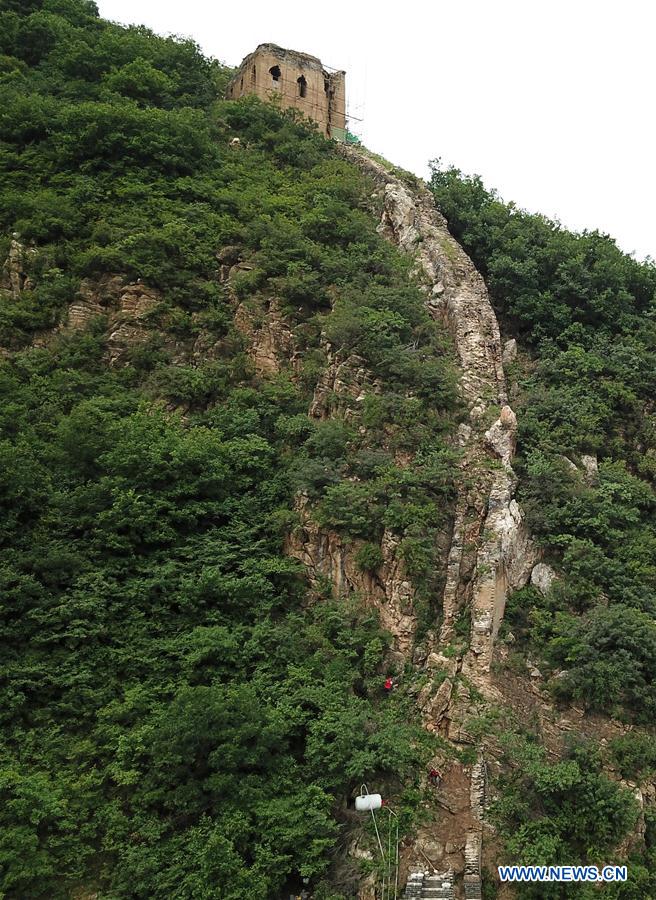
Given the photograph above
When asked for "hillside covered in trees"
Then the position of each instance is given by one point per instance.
(177, 721)
(186, 712)
(584, 316)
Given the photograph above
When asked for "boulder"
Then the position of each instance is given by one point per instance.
(502, 435)
(444, 663)
(542, 577)
(509, 352)
(591, 467)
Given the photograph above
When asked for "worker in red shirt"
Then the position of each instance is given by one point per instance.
(435, 776)
(389, 686)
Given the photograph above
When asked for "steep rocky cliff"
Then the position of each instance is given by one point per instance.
(485, 553)
(490, 552)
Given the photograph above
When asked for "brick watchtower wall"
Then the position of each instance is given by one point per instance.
(298, 81)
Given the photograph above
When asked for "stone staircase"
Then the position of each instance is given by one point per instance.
(477, 788)
(441, 884)
(422, 886)
(474, 845)
(473, 886)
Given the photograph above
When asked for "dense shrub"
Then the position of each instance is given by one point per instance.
(177, 721)
(635, 754)
(552, 811)
(584, 312)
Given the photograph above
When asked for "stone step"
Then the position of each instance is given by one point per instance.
(439, 887)
(414, 886)
(473, 855)
(423, 886)
(473, 888)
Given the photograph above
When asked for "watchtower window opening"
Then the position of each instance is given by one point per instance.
(241, 85)
(274, 71)
(302, 86)
(254, 73)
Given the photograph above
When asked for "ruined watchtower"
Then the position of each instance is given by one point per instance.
(298, 80)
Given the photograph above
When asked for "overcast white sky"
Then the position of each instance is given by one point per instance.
(552, 101)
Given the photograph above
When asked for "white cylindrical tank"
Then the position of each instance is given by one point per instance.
(367, 802)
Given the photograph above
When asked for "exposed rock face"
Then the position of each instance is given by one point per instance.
(434, 705)
(15, 277)
(94, 299)
(126, 305)
(268, 337)
(487, 514)
(128, 328)
(589, 464)
(230, 261)
(325, 554)
(502, 436)
(491, 552)
(591, 467)
(509, 352)
(344, 381)
(342, 386)
(270, 342)
(457, 292)
(367, 889)
(132, 316)
(571, 465)
(446, 663)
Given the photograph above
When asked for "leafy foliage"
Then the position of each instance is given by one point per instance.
(634, 753)
(178, 721)
(585, 311)
(547, 282)
(567, 810)
(584, 314)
